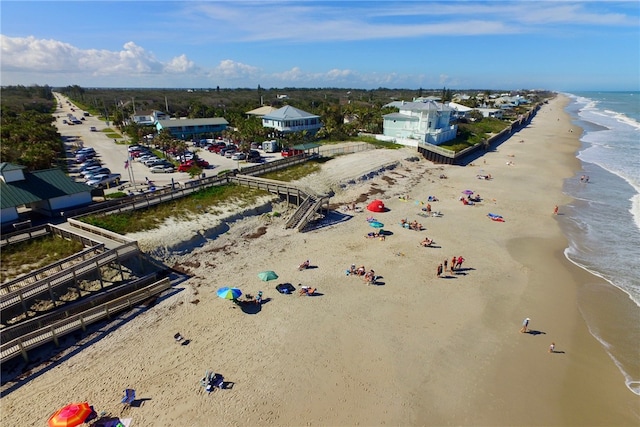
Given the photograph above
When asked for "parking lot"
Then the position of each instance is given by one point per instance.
(114, 156)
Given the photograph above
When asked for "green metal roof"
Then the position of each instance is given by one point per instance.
(39, 185)
(6, 167)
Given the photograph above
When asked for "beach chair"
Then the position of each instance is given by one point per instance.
(128, 399)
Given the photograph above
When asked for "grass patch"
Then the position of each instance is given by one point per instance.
(296, 172)
(24, 257)
(114, 135)
(470, 134)
(116, 195)
(207, 200)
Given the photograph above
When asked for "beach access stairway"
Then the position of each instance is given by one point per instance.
(31, 334)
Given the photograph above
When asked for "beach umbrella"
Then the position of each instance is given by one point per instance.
(376, 224)
(467, 192)
(71, 415)
(265, 276)
(229, 293)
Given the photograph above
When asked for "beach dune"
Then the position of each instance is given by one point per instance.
(411, 349)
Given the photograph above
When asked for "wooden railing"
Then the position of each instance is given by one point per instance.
(15, 331)
(100, 231)
(23, 235)
(53, 332)
(50, 269)
(16, 296)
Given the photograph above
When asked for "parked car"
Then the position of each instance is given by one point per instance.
(216, 146)
(238, 156)
(89, 163)
(254, 156)
(189, 164)
(90, 169)
(288, 152)
(81, 158)
(85, 150)
(99, 171)
(105, 180)
(229, 153)
(158, 162)
(64, 122)
(138, 153)
(148, 161)
(231, 148)
(165, 168)
(93, 129)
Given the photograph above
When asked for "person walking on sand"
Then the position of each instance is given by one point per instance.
(555, 210)
(525, 326)
(439, 269)
(459, 262)
(552, 348)
(453, 263)
(446, 262)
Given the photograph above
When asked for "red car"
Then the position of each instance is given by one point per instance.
(216, 147)
(288, 152)
(184, 167)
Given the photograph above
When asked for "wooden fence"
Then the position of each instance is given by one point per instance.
(53, 332)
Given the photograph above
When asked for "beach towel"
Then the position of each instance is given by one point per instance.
(495, 217)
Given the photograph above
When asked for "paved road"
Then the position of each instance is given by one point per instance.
(114, 155)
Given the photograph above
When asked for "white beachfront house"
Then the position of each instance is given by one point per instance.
(426, 122)
(491, 112)
(148, 118)
(290, 119)
(460, 111)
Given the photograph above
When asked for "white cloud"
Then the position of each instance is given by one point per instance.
(320, 22)
(29, 54)
(180, 64)
(230, 70)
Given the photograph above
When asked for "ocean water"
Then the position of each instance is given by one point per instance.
(603, 223)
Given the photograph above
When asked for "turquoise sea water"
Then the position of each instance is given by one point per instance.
(603, 223)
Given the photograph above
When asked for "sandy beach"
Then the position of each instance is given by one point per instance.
(412, 349)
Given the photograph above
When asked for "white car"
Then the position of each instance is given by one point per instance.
(149, 160)
(100, 181)
(162, 169)
(238, 156)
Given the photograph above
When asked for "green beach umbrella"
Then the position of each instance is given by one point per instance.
(265, 276)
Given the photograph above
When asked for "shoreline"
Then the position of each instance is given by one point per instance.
(413, 350)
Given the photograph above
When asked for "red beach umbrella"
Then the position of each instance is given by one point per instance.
(71, 415)
(376, 206)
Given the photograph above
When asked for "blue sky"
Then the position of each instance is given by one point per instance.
(556, 45)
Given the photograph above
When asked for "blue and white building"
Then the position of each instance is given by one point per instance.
(426, 122)
(290, 119)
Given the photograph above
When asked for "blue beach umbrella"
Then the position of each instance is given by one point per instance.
(229, 293)
(376, 224)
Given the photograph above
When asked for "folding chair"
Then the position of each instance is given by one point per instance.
(129, 398)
